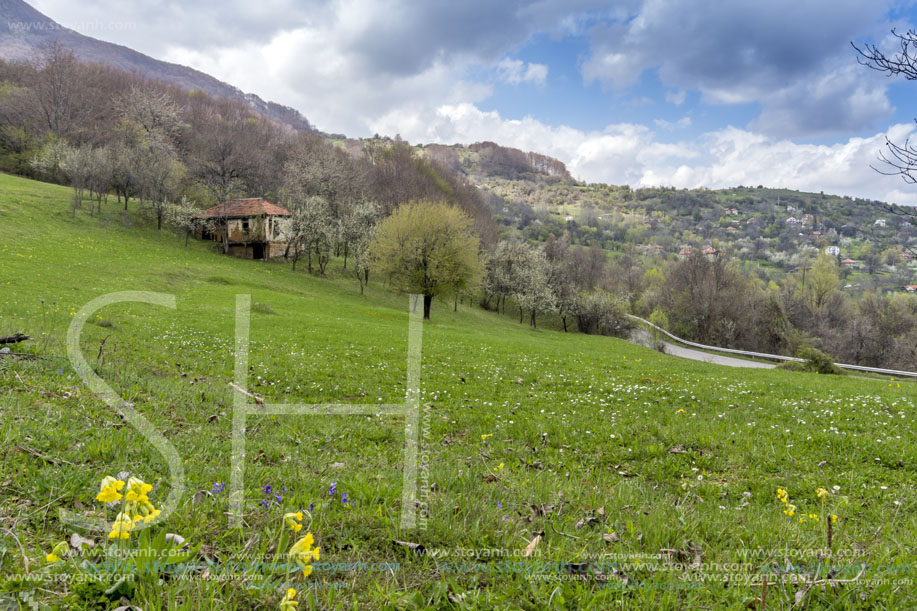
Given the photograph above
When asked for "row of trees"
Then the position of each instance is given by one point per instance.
(708, 299)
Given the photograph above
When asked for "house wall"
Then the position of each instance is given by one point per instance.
(271, 232)
(256, 229)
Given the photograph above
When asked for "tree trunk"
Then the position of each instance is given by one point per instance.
(159, 220)
(521, 311)
(455, 303)
(534, 324)
(564, 318)
(427, 302)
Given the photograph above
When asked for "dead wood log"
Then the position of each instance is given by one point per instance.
(14, 339)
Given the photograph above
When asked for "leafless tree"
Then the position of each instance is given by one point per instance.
(899, 158)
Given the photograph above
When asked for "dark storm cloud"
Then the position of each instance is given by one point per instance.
(747, 51)
(409, 37)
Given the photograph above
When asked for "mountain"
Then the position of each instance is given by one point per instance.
(24, 32)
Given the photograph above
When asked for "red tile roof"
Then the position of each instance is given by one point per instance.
(239, 208)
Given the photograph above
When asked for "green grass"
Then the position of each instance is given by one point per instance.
(580, 424)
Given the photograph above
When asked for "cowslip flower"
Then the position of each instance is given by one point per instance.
(302, 553)
(110, 490)
(137, 503)
(293, 521)
(790, 510)
(122, 527)
(59, 550)
(288, 603)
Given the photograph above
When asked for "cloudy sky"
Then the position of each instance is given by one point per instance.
(644, 92)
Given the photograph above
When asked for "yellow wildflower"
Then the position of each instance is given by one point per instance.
(52, 557)
(293, 521)
(498, 467)
(121, 527)
(302, 553)
(109, 490)
(833, 518)
(288, 603)
(485, 436)
(679, 411)
(821, 492)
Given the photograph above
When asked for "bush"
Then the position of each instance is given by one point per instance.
(814, 361)
(599, 312)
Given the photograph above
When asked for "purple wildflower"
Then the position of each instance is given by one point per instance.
(60, 372)
(278, 498)
(311, 507)
(499, 505)
(332, 489)
(267, 489)
(344, 498)
(217, 488)
(266, 503)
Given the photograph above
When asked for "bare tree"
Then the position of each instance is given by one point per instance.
(899, 158)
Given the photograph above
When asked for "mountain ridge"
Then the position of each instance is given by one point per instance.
(25, 32)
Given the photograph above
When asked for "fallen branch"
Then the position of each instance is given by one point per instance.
(21, 355)
(14, 339)
(801, 596)
(257, 399)
(559, 532)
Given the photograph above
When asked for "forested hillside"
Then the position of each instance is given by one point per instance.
(750, 267)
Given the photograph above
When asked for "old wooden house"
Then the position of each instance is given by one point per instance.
(251, 228)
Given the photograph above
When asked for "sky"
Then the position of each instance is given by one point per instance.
(682, 93)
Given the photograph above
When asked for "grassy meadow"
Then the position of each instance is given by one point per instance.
(648, 481)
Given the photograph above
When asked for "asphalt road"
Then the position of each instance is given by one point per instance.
(644, 338)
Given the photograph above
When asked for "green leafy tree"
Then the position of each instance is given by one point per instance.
(427, 248)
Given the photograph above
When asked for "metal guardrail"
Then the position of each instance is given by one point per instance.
(776, 357)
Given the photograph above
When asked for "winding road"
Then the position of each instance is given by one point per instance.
(645, 338)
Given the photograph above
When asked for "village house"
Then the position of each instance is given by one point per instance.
(251, 228)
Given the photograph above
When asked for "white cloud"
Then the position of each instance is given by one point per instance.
(516, 71)
(676, 97)
(632, 154)
(671, 125)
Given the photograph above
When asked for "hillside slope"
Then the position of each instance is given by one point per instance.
(24, 32)
(524, 435)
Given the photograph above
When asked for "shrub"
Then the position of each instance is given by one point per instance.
(599, 312)
(814, 361)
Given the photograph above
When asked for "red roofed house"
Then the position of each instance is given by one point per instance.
(251, 228)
